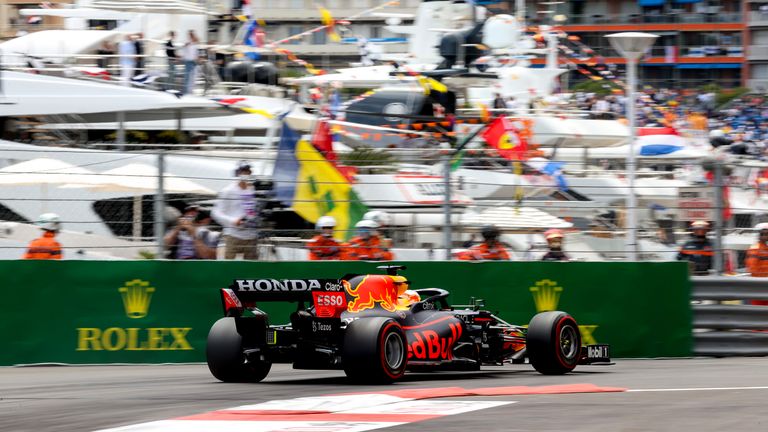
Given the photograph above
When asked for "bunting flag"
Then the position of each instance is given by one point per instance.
(504, 137)
(485, 115)
(254, 37)
(431, 84)
(313, 187)
(322, 139)
(330, 24)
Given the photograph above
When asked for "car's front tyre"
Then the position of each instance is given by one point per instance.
(553, 343)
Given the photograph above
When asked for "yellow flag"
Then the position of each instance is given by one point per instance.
(430, 84)
(330, 23)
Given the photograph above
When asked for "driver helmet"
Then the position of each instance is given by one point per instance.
(407, 298)
(49, 222)
(401, 283)
(489, 233)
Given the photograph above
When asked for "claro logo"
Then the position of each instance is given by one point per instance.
(137, 297)
(546, 296)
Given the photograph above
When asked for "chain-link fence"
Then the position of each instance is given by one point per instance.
(109, 204)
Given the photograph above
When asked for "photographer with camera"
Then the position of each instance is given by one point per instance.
(191, 238)
(238, 210)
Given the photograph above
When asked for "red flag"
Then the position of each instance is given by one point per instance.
(646, 131)
(504, 137)
(323, 140)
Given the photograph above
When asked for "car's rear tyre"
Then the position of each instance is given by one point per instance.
(553, 343)
(375, 350)
(224, 352)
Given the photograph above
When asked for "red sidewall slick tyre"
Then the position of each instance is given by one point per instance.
(375, 350)
(224, 353)
(553, 343)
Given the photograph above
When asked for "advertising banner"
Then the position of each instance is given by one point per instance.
(87, 312)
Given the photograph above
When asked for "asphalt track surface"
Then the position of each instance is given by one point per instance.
(664, 395)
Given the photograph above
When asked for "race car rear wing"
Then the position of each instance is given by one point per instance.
(261, 290)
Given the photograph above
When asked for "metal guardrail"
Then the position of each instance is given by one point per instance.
(730, 329)
(677, 17)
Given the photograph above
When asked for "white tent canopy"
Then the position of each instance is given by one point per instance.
(44, 171)
(141, 178)
(151, 6)
(514, 219)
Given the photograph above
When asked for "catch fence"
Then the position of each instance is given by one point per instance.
(107, 200)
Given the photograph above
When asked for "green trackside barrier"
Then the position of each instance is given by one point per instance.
(160, 311)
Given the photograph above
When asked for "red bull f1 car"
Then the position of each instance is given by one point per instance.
(375, 328)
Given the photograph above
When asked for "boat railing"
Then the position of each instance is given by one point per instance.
(553, 111)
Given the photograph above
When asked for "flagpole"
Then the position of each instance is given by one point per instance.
(447, 228)
(448, 224)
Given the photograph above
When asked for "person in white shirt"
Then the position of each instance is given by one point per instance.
(190, 54)
(127, 51)
(237, 210)
(512, 106)
(601, 106)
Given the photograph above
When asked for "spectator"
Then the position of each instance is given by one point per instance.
(105, 50)
(127, 52)
(490, 249)
(382, 220)
(757, 257)
(237, 210)
(46, 247)
(171, 55)
(192, 238)
(499, 102)
(554, 239)
(512, 105)
(366, 245)
(138, 41)
(698, 250)
(190, 56)
(323, 247)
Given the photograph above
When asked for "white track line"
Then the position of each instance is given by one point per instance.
(696, 389)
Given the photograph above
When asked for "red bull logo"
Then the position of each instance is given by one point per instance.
(372, 290)
(429, 345)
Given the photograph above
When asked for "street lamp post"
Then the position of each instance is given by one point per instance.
(632, 46)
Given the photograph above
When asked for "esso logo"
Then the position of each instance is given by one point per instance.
(335, 299)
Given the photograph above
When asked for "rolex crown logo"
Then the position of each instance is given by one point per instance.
(546, 295)
(137, 294)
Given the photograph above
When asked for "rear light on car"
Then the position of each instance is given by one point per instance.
(232, 305)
